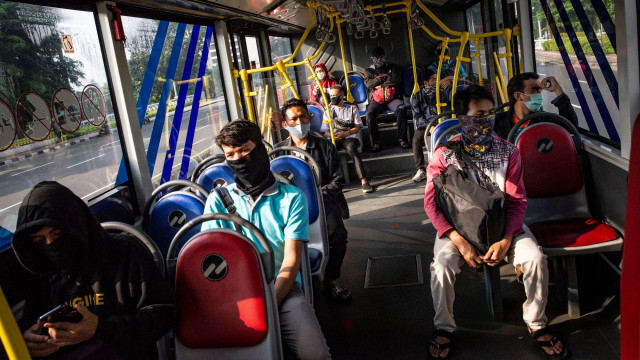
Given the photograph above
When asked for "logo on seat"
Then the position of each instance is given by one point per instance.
(544, 145)
(219, 182)
(177, 218)
(214, 267)
(287, 174)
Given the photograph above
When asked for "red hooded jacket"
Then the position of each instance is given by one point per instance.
(326, 83)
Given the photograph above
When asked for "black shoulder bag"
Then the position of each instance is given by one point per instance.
(476, 211)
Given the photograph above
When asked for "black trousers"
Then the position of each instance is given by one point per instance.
(337, 242)
(375, 108)
(351, 146)
(417, 143)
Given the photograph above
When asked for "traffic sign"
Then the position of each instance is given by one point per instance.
(66, 110)
(67, 43)
(94, 107)
(7, 126)
(34, 116)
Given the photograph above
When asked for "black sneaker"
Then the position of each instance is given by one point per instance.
(366, 188)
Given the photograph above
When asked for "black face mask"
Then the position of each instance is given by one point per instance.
(251, 172)
(64, 253)
(335, 100)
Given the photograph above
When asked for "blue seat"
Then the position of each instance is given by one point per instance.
(407, 84)
(114, 205)
(215, 176)
(441, 129)
(316, 117)
(164, 216)
(358, 91)
(5, 239)
(302, 176)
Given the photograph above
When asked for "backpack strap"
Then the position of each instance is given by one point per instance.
(227, 201)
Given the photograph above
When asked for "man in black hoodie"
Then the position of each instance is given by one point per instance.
(111, 281)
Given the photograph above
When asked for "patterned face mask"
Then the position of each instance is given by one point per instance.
(476, 133)
(430, 90)
(379, 61)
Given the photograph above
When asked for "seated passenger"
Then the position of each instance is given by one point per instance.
(382, 80)
(423, 107)
(315, 93)
(297, 122)
(280, 211)
(448, 67)
(500, 161)
(525, 97)
(346, 129)
(124, 303)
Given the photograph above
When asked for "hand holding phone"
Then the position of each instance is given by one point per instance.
(61, 313)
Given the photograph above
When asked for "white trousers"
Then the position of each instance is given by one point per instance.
(524, 253)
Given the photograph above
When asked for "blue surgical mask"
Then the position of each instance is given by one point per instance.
(535, 102)
(299, 131)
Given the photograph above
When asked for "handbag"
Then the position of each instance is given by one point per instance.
(475, 210)
(384, 94)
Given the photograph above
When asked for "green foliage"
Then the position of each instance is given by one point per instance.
(550, 45)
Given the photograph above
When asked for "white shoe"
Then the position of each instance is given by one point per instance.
(419, 176)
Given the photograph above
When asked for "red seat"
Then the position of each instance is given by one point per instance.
(557, 211)
(225, 305)
(572, 232)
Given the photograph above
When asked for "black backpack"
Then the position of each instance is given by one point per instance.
(476, 211)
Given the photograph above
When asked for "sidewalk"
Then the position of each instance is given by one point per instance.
(40, 147)
(546, 56)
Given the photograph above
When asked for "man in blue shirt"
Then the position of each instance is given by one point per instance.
(280, 211)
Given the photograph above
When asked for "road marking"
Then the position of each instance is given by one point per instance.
(576, 106)
(102, 188)
(82, 162)
(22, 172)
(199, 141)
(582, 81)
(7, 208)
(111, 143)
(541, 74)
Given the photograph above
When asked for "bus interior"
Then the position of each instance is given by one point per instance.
(115, 99)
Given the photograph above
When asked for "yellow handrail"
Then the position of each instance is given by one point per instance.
(10, 334)
(346, 73)
(441, 58)
(264, 110)
(416, 87)
(477, 56)
(500, 90)
(459, 58)
(504, 85)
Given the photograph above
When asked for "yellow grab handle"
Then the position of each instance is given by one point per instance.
(10, 333)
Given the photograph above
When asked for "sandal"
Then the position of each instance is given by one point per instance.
(339, 292)
(549, 343)
(376, 147)
(404, 144)
(440, 347)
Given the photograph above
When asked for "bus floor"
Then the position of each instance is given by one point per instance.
(387, 269)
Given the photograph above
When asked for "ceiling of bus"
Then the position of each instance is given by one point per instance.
(253, 16)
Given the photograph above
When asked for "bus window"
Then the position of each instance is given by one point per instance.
(54, 76)
(573, 44)
(178, 86)
(280, 50)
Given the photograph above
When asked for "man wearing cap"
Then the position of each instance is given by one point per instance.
(382, 80)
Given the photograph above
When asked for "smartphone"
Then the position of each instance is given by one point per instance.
(61, 313)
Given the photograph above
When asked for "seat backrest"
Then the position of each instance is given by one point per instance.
(225, 306)
(552, 173)
(358, 89)
(169, 214)
(302, 176)
(316, 117)
(408, 81)
(115, 205)
(441, 129)
(215, 176)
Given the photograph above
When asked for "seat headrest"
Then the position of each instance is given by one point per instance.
(302, 178)
(215, 176)
(169, 214)
(549, 160)
(220, 292)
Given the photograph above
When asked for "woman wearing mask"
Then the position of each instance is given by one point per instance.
(325, 81)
